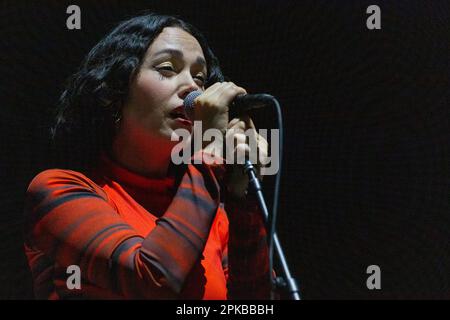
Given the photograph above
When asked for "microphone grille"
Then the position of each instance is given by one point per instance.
(189, 100)
(189, 103)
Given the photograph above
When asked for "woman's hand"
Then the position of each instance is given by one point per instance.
(211, 107)
(237, 183)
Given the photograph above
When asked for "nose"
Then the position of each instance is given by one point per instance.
(183, 93)
(187, 87)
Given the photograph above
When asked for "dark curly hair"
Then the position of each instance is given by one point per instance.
(93, 97)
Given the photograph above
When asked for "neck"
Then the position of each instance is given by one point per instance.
(150, 160)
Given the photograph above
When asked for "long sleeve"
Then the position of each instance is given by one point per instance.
(71, 221)
(246, 258)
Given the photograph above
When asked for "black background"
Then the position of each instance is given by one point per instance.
(366, 170)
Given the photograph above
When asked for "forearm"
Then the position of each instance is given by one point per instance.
(247, 251)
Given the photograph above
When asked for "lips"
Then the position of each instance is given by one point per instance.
(179, 112)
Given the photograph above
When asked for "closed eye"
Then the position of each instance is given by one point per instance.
(201, 78)
(169, 70)
(165, 68)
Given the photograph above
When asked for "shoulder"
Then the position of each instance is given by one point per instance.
(53, 179)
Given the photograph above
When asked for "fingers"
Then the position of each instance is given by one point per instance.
(233, 122)
(229, 91)
(238, 126)
(211, 107)
(242, 149)
(244, 142)
(220, 94)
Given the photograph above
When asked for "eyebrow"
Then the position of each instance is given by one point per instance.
(179, 54)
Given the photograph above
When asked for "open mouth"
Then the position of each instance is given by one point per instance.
(179, 114)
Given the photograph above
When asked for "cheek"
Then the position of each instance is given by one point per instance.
(150, 92)
(148, 100)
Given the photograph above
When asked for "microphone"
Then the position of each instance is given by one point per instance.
(240, 104)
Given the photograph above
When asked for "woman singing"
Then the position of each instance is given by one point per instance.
(134, 224)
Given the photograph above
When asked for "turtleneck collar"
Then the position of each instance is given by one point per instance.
(110, 169)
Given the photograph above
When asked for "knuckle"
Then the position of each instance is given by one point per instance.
(242, 148)
(241, 124)
(240, 135)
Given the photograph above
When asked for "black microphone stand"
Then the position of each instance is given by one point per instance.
(288, 283)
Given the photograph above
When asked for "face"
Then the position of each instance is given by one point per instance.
(174, 65)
